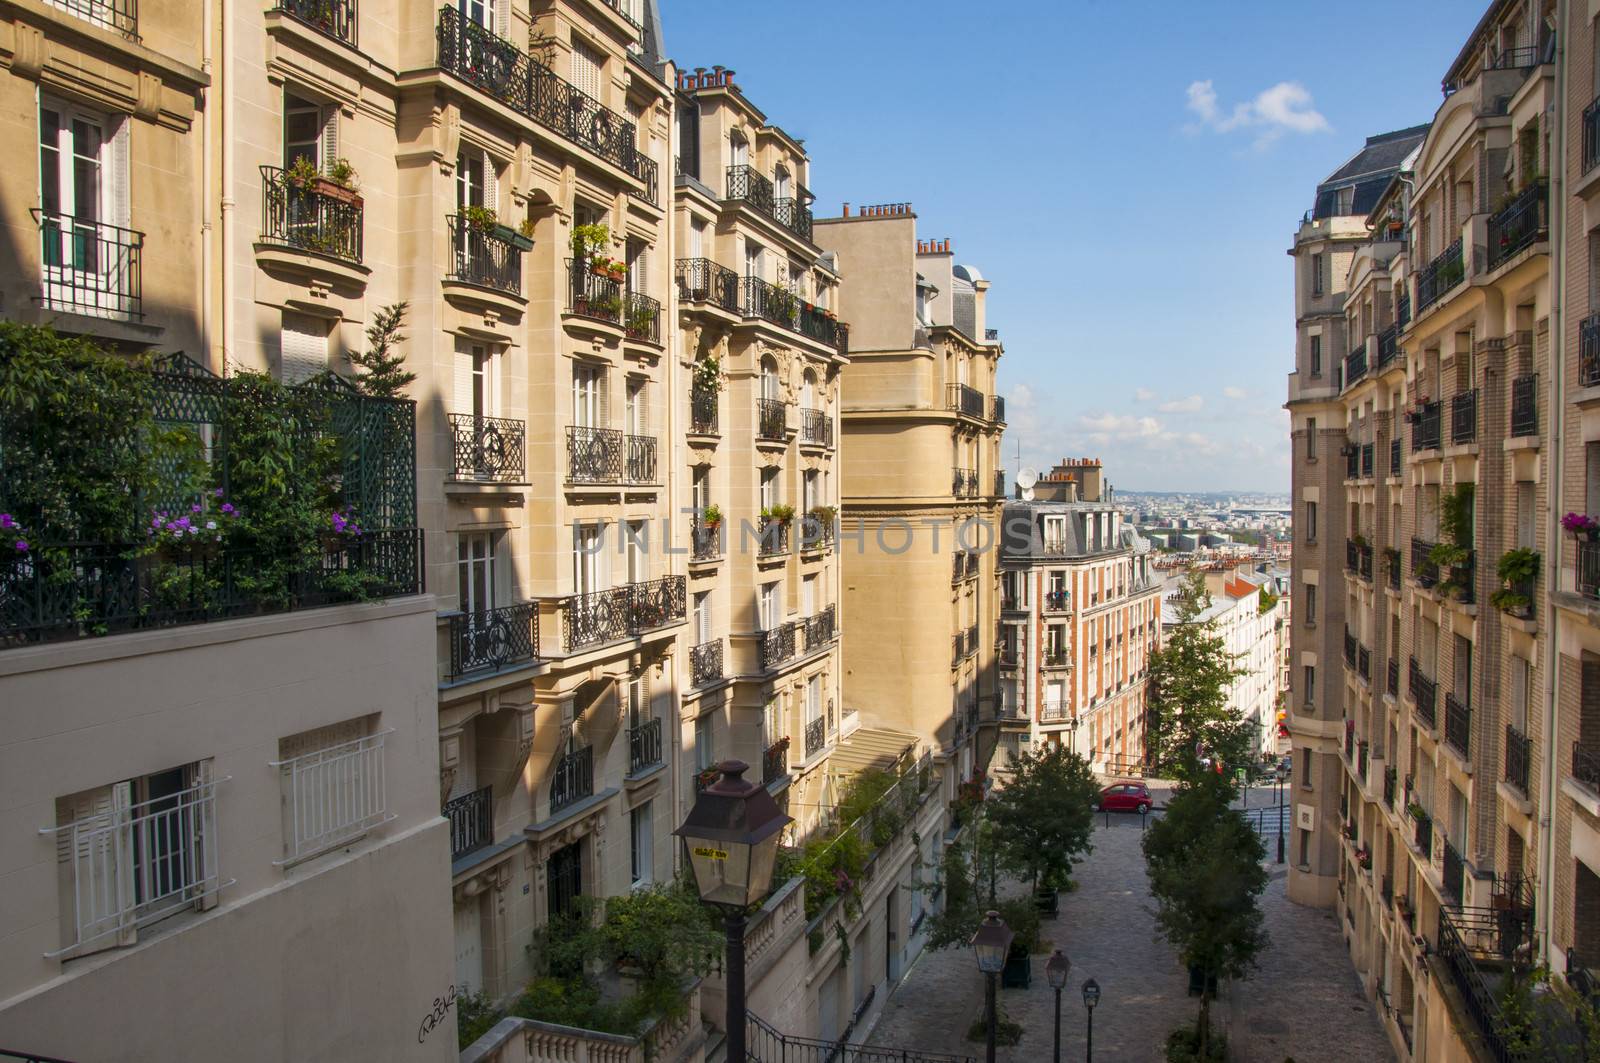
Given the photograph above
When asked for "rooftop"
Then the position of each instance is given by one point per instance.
(1369, 171)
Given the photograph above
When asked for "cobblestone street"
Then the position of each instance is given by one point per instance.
(1107, 927)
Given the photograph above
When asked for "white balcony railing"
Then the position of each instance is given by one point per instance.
(334, 795)
(131, 866)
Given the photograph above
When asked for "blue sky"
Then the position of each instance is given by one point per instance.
(1131, 218)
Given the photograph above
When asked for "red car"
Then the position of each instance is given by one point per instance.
(1125, 797)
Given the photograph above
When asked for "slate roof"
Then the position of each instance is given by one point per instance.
(1369, 171)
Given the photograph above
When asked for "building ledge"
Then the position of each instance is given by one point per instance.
(462, 488)
(1582, 796)
(571, 814)
(1520, 443)
(1586, 608)
(1514, 797)
(636, 780)
(298, 264)
(480, 858)
(477, 297)
(1586, 398)
(480, 680)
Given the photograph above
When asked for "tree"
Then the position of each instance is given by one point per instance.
(1206, 874)
(384, 374)
(1043, 816)
(1191, 728)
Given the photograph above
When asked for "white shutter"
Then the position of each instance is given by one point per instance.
(96, 880)
(463, 390)
(587, 65)
(119, 211)
(304, 348)
(502, 17)
(491, 184)
(602, 391)
(328, 146)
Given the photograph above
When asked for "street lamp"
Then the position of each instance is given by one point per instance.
(1056, 969)
(1091, 997)
(731, 835)
(991, 943)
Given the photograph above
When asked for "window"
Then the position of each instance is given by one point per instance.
(702, 618)
(638, 550)
(754, 259)
(1591, 472)
(1316, 355)
(1311, 522)
(705, 755)
(474, 370)
(334, 787)
(588, 66)
(482, 12)
(83, 189)
(1527, 516)
(813, 699)
(811, 490)
(1311, 438)
(475, 577)
(1346, 202)
(636, 408)
(769, 488)
(738, 150)
(808, 596)
(638, 275)
(1521, 692)
(302, 348)
(1309, 693)
(640, 838)
(1305, 769)
(771, 723)
(310, 132)
(1317, 285)
(133, 853)
(588, 396)
(588, 559)
(697, 239)
(771, 608)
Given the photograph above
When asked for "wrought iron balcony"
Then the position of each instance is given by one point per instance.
(487, 448)
(1057, 657)
(775, 762)
(997, 409)
(1425, 692)
(1363, 758)
(816, 426)
(1426, 427)
(705, 540)
(641, 317)
(999, 483)
(1525, 405)
(1368, 452)
(593, 295)
(703, 402)
(90, 267)
(621, 9)
(1591, 135)
(307, 219)
(1423, 570)
(572, 779)
(1352, 460)
(1586, 764)
(794, 214)
(1402, 310)
(964, 399)
(491, 639)
(641, 466)
(819, 629)
(1388, 345)
(644, 746)
(705, 663)
(1457, 725)
(1589, 351)
(1519, 223)
(774, 536)
(1392, 683)
(700, 280)
(749, 186)
(1588, 568)
(335, 18)
(1349, 650)
(972, 640)
(599, 617)
(1057, 601)
(958, 648)
(1394, 455)
(607, 456)
(1464, 417)
(481, 258)
(1355, 365)
(471, 819)
(1445, 272)
(1453, 872)
(1389, 777)
(777, 645)
(964, 483)
(772, 420)
(1422, 832)
(506, 72)
(1519, 757)
(1364, 663)
(816, 737)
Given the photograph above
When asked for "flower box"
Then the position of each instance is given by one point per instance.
(327, 186)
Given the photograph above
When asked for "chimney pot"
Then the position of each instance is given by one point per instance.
(847, 209)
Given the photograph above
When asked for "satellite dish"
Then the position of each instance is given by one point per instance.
(1027, 476)
(1026, 494)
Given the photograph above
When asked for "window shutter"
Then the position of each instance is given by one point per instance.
(304, 348)
(491, 184)
(602, 388)
(121, 190)
(328, 147)
(463, 392)
(587, 65)
(502, 18)
(96, 881)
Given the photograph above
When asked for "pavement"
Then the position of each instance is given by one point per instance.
(1107, 928)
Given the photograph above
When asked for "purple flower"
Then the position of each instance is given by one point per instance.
(22, 546)
(217, 493)
(7, 521)
(227, 507)
(171, 526)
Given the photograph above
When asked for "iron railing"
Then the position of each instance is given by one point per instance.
(593, 295)
(481, 258)
(816, 736)
(999, 483)
(1394, 456)
(1355, 365)
(705, 540)
(703, 410)
(1519, 757)
(1426, 426)
(89, 267)
(594, 455)
(819, 629)
(306, 219)
(794, 214)
(1423, 570)
(1402, 309)
(773, 535)
(1392, 684)
(997, 409)
(1057, 601)
(768, 1045)
(772, 420)
(1422, 832)
(1588, 568)
(1464, 417)
(1364, 663)
(641, 317)
(335, 18)
(775, 762)
(1388, 345)
(749, 186)
(777, 645)
(644, 745)
(641, 460)
(488, 448)
(572, 778)
(507, 73)
(1368, 453)
(1389, 776)
(1445, 272)
(816, 426)
(1589, 351)
(1591, 135)
(964, 399)
(471, 819)
(1457, 725)
(700, 280)
(964, 483)
(599, 617)
(493, 638)
(1425, 692)
(1352, 460)
(1524, 405)
(705, 663)
(1454, 872)
(1586, 764)
(1519, 223)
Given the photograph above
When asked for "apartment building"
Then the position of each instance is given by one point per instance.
(919, 397)
(761, 349)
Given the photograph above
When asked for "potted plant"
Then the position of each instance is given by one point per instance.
(1360, 540)
(711, 517)
(519, 237)
(302, 173)
(823, 515)
(640, 319)
(588, 241)
(708, 374)
(1581, 526)
(1416, 811)
(338, 183)
(1517, 570)
(1391, 555)
(479, 219)
(617, 271)
(782, 513)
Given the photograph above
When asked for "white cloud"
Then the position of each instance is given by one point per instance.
(1123, 426)
(1234, 393)
(1286, 107)
(1143, 394)
(1188, 405)
(1021, 396)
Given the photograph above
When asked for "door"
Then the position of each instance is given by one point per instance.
(475, 590)
(588, 559)
(828, 1007)
(86, 261)
(891, 931)
(469, 947)
(738, 151)
(586, 405)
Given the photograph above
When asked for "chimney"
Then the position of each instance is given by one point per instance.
(847, 210)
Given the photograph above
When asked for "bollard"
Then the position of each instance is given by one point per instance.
(1143, 811)
(1280, 841)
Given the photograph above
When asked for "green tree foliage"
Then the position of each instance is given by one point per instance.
(1043, 816)
(1191, 727)
(383, 366)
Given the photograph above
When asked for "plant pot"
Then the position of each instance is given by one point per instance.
(599, 269)
(512, 237)
(327, 186)
(617, 275)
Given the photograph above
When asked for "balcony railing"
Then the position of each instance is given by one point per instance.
(90, 267)
(997, 409)
(487, 448)
(471, 819)
(481, 258)
(700, 280)
(999, 483)
(594, 455)
(1519, 223)
(1453, 873)
(644, 746)
(572, 779)
(1591, 135)
(1423, 832)
(1388, 345)
(964, 399)
(336, 18)
(333, 795)
(641, 317)
(964, 483)
(1368, 452)
(705, 663)
(1525, 405)
(1423, 570)
(772, 420)
(705, 540)
(1426, 427)
(1464, 417)
(641, 464)
(819, 629)
(1402, 309)
(1364, 663)
(593, 295)
(1457, 725)
(775, 761)
(1355, 365)
(306, 219)
(599, 617)
(1389, 777)
(749, 186)
(816, 736)
(1392, 680)
(1349, 650)
(1588, 568)
(507, 73)
(1057, 601)
(774, 536)
(793, 213)
(1589, 351)
(1439, 276)
(777, 645)
(816, 426)
(1394, 456)
(1424, 692)
(493, 638)
(703, 410)
(1352, 461)
(1586, 764)
(1519, 757)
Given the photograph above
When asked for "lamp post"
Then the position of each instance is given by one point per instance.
(991, 943)
(1091, 997)
(1056, 969)
(731, 836)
